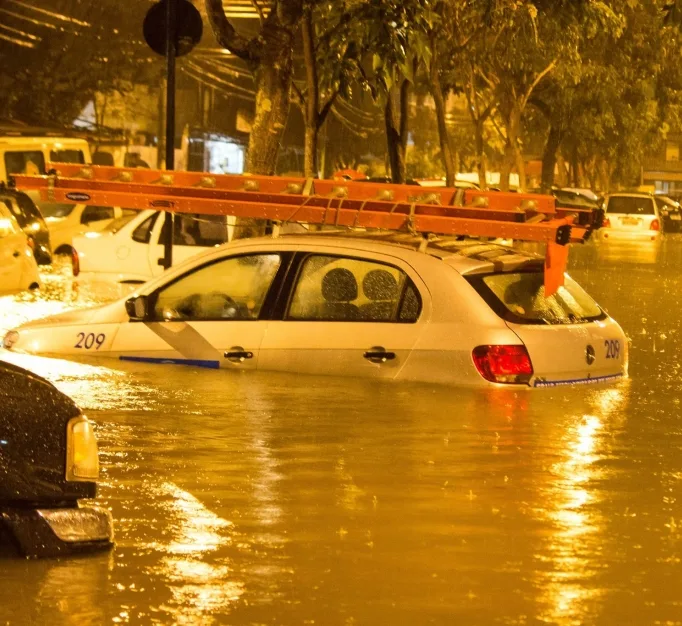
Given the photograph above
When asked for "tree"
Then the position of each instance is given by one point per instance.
(269, 56)
(56, 61)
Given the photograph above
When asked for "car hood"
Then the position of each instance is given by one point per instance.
(103, 313)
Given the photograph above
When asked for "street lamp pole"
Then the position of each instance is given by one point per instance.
(171, 28)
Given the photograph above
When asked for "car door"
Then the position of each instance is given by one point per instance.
(12, 248)
(212, 316)
(349, 315)
(192, 234)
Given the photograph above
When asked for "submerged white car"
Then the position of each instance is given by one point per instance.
(129, 249)
(371, 305)
(18, 268)
(66, 221)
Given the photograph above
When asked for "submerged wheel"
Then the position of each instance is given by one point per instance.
(65, 250)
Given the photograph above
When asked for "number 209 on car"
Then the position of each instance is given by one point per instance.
(89, 341)
(612, 347)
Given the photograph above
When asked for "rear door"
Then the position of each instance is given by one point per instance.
(568, 337)
(212, 316)
(347, 315)
(631, 213)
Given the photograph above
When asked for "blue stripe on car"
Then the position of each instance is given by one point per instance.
(197, 362)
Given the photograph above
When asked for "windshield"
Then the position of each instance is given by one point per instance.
(118, 223)
(520, 297)
(55, 209)
(630, 205)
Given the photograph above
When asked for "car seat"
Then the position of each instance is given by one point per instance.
(339, 287)
(381, 287)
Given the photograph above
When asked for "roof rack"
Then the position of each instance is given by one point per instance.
(443, 211)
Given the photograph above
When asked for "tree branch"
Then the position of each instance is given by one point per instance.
(538, 78)
(324, 111)
(225, 33)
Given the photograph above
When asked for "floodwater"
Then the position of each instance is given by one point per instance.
(272, 499)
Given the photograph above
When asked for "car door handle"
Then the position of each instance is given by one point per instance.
(377, 354)
(16, 253)
(237, 354)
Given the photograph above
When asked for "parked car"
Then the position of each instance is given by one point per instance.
(128, 250)
(576, 198)
(48, 463)
(370, 305)
(671, 213)
(31, 221)
(631, 216)
(18, 268)
(66, 221)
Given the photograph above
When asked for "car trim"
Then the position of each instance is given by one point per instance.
(540, 382)
(172, 361)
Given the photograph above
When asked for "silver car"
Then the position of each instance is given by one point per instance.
(369, 305)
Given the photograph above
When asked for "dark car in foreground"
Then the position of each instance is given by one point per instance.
(31, 221)
(48, 463)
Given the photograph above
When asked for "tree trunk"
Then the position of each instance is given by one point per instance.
(481, 159)
(310, 151)
(396, 139)
(520, 168)
(444, 137)
(549, 157)
(312, 104)
(273, 82)
(512, 126)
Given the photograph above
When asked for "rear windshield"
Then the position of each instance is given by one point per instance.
(55, 209)
(630, 205)
(520, 298)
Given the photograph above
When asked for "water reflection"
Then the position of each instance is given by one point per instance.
(69, 592)
(573, 553)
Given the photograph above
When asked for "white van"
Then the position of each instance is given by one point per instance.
(30, 154)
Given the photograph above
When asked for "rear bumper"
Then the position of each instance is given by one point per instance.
(613, 234)
(37, 533)
(590, 380)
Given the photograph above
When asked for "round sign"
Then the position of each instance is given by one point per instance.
(188, 27)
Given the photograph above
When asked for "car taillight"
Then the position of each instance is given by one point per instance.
(503, 364)
(75, 262)
(606, 223)
(655, 225)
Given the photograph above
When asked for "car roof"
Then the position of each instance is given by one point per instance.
(632, 194)
(467, 256)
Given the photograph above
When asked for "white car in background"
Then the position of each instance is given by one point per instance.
(18, 268)
(66, 221)
(128, 249)
(369, 305)
(631, 216)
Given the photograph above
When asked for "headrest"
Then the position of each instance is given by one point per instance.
(339, 285)
(380, 285)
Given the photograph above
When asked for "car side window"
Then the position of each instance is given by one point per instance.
(143, 233)
(199, 230)
(231, 289)
(96, 214)
(331, 288)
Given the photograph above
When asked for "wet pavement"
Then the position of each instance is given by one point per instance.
(270, 499)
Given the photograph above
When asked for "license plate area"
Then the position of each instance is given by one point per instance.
(630, 221)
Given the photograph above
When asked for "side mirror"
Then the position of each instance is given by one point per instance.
(137, 308)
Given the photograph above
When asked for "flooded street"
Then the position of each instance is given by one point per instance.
(264, 498)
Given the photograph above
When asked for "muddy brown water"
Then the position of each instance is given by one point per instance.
(276, 499)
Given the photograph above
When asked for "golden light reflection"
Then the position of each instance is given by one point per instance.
(566, 588)
(201, 585)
